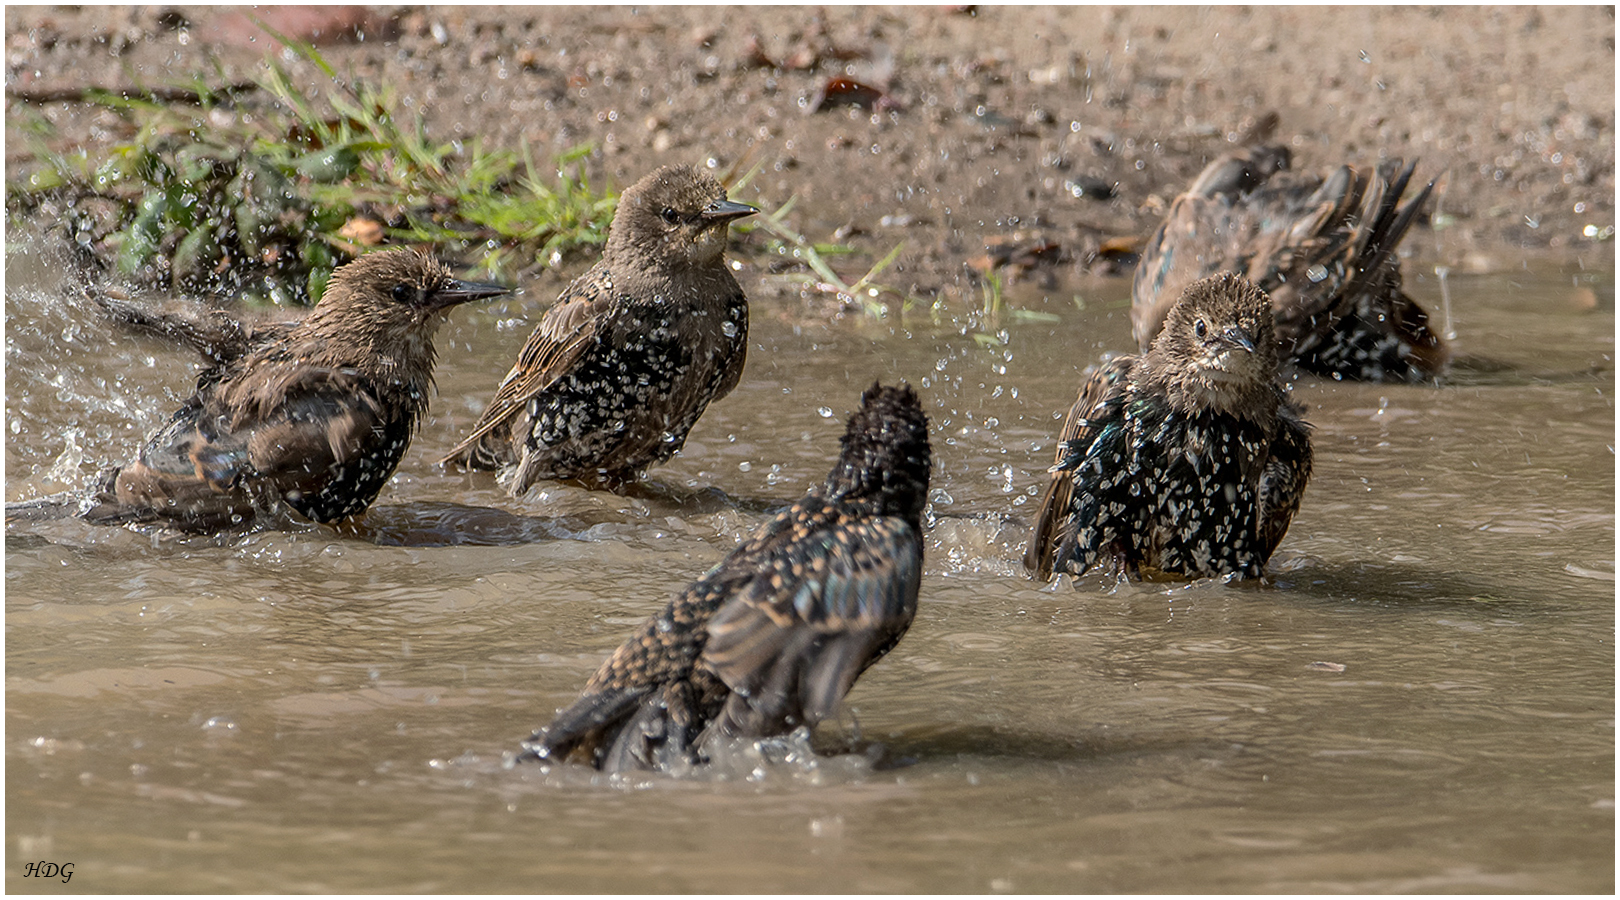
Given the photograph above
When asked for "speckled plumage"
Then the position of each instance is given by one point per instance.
(776, 634)
(620, 369)
(314, 415)
(1188, 460)
(1323, 249)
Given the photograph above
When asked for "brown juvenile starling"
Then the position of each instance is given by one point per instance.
(314, 415)
(1323, 250)
(1188, 459)
(620, 369)
(776, 634)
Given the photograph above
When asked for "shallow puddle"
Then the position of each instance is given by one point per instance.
(1422, 700)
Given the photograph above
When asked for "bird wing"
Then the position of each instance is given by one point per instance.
(1207, 229)
(784, 624)
(816, 607)
(1282, 482)
(211, 464)
(1171, 261)
(732, 373)
(334, 420)
(286, 427)
(647, 700)
(562, 336)
(1080, 429)
(214, 333)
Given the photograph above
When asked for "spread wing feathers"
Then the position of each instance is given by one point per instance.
(817, 611)
(1311, 251)
(291, 428)
(642, 725)
(1282, 483)
(196, 465)
(1347, 238)
(574, 726)
(214, 333)
(1099, 398)
(556, 344)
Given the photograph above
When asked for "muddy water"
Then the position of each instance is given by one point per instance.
(329, 712)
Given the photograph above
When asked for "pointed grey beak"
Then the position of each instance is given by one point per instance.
(723, 210)
(1237, 337)
(463, 291)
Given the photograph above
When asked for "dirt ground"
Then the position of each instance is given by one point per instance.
(1060, 127)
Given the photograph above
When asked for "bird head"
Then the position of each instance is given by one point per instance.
(675, 216)
(384, 308)
(1218, 341)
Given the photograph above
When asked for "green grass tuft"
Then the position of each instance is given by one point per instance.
(267, 198)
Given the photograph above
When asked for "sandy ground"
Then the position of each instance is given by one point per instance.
(1061, 126)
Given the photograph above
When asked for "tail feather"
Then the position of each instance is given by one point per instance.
(1041, 555)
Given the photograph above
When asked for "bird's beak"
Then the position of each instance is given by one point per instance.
(1237, 337)
(464, 291)
(723, 210)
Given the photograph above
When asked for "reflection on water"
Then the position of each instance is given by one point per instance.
(1420, 700)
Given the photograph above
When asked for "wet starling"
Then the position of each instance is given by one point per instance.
(1323, 250)
(776, 634)
(620, 369)
(315, 414)
(1188, 459)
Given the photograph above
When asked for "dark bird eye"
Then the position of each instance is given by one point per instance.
(1200, 328)
(670, 215)
(402, 293)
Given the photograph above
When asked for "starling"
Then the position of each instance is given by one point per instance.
(314, 414)
(620, 369)
(1323, 249)
(776, 634)
(1188, 459)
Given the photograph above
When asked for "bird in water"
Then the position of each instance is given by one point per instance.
(1187, 460)
(775, 635)
(311, 415)
(1323, 249)
(633, 352)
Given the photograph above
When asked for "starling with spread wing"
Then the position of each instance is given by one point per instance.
(1324, 250)
(312, 416)
(776, 634)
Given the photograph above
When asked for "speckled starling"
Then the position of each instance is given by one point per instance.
(620, 369)
(313, 415)
(1323, 249)
(775, 635)
(1187, 460)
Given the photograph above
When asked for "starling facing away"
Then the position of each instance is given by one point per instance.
(314, 414)
(776, 634)
(1323, 250)
(1187, 459)
(620, 369)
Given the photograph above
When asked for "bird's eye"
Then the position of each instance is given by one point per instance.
(402, 293)
(1200, 328)
(670, 215)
